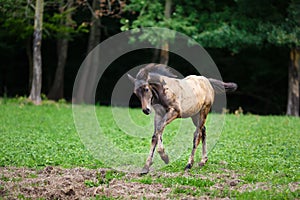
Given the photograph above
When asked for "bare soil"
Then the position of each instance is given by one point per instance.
(58, 183)
(80, 183)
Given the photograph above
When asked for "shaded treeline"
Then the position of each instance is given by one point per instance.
(260, 70)
(262, 79)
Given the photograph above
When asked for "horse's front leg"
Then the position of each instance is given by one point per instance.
(157, 119)
(161, 149)
(146, 168)
(160, 123)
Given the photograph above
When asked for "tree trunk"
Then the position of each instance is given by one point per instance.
(164, 53)
(30, 60)
(57, 89)
(35, 93)
(93, 59)
(293, 90)
(84, 94)
(95, 30)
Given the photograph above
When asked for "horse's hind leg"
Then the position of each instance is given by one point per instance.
(200, 133)
(204, 153)
(203, 116)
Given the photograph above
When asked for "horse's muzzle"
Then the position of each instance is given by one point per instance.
(147, 111)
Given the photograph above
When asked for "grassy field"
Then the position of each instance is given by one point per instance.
(256, 157)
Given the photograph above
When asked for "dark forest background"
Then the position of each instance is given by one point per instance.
(253, 43)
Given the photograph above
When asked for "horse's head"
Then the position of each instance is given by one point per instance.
(143, 91)
(148, 85)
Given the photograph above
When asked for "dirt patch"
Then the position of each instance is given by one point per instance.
(120, 188)
(80, 183)
(50, 183)
(76, 183)
(256, 186)
(294, 186)
(228, 179)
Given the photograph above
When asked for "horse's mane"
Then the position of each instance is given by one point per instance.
(154, 68)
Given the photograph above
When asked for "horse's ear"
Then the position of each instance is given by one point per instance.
(131, 78)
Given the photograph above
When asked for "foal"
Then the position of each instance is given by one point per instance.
(173, 98)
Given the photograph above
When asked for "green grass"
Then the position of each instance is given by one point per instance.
(267, 147)
(36, 136)
(258, 149)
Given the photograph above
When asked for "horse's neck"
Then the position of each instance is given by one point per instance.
(161, 89)
(156, 81)
(157, 91)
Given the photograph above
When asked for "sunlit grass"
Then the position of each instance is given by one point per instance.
(260, 149)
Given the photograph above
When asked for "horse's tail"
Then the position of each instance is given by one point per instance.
(221, 87)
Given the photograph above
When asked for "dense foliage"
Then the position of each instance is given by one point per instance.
(224, 24)
(253, 38)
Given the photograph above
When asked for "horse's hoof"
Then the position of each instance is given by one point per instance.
(145, 170)
(202, 163)
(165, 158)
(188, 167)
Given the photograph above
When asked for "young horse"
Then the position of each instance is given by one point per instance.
(173, 98)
